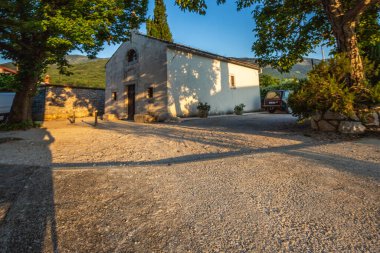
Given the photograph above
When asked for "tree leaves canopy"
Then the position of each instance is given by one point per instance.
(46, 30)
(287, 30)
(35, 33)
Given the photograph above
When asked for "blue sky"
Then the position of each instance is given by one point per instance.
(223, 30)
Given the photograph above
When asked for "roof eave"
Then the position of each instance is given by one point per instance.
(213, 56)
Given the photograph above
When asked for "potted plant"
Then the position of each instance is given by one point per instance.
(239, 109)
(203, 109)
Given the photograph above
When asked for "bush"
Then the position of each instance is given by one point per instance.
(326, 89)
(203, 109)
(268, 80)
(239, 109)
(372, 71)
(8, 82)
(25, 125)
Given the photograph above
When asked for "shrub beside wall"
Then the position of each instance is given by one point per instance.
(332, 104)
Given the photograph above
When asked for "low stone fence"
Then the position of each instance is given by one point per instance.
(336, 122)
(60, 102)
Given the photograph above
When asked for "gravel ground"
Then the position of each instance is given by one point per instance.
(252, 183)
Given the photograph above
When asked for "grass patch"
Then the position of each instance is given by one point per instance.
(25, 125)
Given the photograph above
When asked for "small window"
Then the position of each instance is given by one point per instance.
(114, 96)
(131, 56)
(149, 94)
(232, 82)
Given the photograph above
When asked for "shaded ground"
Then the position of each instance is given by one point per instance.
(248, 183)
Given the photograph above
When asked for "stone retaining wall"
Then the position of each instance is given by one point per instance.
(60, 102)
(336, 122)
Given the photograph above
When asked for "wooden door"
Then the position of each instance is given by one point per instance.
(131, 101)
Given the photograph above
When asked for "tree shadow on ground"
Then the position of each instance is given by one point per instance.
(232, 135)
(27, 213)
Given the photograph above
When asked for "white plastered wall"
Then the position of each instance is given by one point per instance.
(193, 78)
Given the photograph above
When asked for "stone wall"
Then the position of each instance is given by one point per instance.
(60, 102)
(38, 107)
(336, 122)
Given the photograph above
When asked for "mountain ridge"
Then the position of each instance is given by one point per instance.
(91, 72)
(298, 71)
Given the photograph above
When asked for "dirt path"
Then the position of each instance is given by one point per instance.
(256, 183)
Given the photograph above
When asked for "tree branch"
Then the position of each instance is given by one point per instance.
(7, 47)
(358, 9)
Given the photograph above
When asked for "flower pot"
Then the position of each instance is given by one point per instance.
(202, 114)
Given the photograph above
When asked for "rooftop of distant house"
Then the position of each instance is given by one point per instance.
(5, 70)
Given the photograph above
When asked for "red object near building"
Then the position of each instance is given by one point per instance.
(5, 70)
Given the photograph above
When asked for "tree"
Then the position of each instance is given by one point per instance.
(8, 82)
(268, 80)
(368, 32)
(158, 27)
(35, 33)
(287, 30)
(369, 44)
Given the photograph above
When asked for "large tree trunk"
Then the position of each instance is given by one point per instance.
(343, 22)
(21, 110)
(347, 43)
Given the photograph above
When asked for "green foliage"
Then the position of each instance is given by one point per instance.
(8, 83)
(268, 80)
(374, 53)
(198, 6)
(47, 30)
(287, 30)
(34, 34)
(369, 43)
(372, 70)
(158, 27)
(368, 33)
(24, 125)
(326, 89)
(203, 109)
(84, 74)
(238, 110)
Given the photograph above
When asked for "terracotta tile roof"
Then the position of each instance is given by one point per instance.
(8, 70)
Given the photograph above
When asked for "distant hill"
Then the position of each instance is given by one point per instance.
(298, 71)
(86, 72)
(9, 65)
(91, 72)
(77, 59)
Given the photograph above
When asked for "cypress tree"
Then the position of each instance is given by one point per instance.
(158, 27)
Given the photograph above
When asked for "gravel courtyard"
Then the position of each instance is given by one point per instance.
(252, 183)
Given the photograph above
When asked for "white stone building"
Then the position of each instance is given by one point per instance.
(148, 76)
